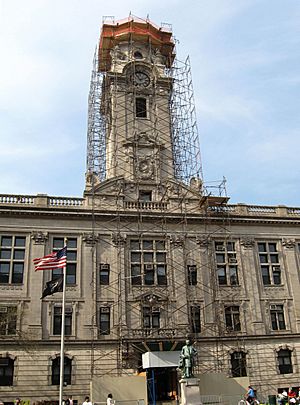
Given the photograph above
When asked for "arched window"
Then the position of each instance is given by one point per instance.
(137, 55)
(56, 371)
(238, 364)
(284, 358)
(6, 371)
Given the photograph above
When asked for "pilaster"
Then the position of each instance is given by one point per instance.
(36, 281)
(251, 280)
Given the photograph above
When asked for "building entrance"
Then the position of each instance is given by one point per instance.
(162, 379)
(162, 386)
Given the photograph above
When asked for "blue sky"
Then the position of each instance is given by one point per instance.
(245, 57)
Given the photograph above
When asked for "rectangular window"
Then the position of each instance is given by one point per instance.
(12, 255)
(57, 318)
(56, 371)
(232, 318)
(195, 319)
(285, 361)
(104, 274)
(58, 243)
(104, 321)
(226, 262)
(269, 263)
(192, 274)
(8, 320)
(6, 371)
(148, 262)
(151, 317)
(238, 364)
(277, 317)
(145, 196)
(140, 107)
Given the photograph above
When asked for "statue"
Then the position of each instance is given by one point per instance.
(187, 359)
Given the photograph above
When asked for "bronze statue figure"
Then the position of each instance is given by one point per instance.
(187, 359)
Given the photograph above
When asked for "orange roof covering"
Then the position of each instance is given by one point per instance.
(134, 29)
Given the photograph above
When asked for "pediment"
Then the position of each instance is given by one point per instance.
(108, 187)
(177, 189)
(151, 299)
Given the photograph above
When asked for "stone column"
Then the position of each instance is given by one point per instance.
(36, 282)
(208, 272)
(290, 270)
(177, 242)
(119, 242)
(88, 286)
(251, 280)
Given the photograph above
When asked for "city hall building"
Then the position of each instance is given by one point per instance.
(153, 254)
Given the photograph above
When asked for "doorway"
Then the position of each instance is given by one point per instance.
(165, 389)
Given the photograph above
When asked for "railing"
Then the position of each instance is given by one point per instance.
(42, 200)
(211, 399)
(65, 201)
(158, 332)
(293, 211)
(261, 209)
(17, 199)
(222, 208)
(145, 205)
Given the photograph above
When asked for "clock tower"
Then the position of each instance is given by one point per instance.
(134, 56)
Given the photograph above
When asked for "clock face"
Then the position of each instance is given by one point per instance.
(140, 79)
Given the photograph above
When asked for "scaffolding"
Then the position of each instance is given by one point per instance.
(186, 163)
(184, 131)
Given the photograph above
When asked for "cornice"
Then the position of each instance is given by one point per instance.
(71, 342)
(132, 215)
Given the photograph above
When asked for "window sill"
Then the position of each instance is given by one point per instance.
(233, 332)
(69, 337)
(10, 286)
(273, 285)
(151, 286)
(229, 286)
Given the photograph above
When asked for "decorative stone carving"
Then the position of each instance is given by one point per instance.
(90, 238)
(131, 187)
(91, 179)
(145, 168)
(39, 237)
(247, 242)
(118, 239)
(289, 243)
(151, 299)
(117, 186)
(196, 184)
(157, 57)
(116, 54)
(177, 240)
(203, 240)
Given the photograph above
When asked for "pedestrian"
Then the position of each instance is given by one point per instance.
(250, 395)
(292, 396)
(69, 401)
(110, 400)
(87, 401)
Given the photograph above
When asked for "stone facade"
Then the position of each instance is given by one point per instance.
(150, 261)
(265, 317)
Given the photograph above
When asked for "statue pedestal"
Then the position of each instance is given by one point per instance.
(190, 391)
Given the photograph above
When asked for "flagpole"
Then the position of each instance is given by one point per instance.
(62, 338)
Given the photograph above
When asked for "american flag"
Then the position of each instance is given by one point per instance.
(55, 260)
